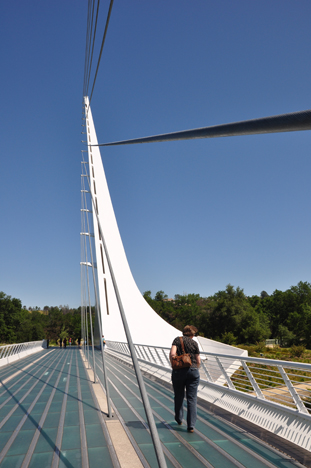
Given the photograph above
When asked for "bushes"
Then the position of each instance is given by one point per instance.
(297, 351)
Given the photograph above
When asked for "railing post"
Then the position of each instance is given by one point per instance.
(223, 370)
(299, 404)
(208, 375)
(159, 357)
(253, 381)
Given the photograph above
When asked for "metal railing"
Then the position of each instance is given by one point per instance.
(276, 382)
(12, 352)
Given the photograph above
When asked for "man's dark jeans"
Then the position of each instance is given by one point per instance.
(188, 379)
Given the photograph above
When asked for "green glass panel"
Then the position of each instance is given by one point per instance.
(38, 408)
(71, 438)
(183, 455)
(21, 443)
(4, 437)
(52, 420)
(211, 454)
(72, 418)
(265, 452)
(70, 459)
(41, 460)
(12, 462)
(44, 397)
(72, 405)
(12, 423)
(95, 436)
(90, 417)
(149, 453)
(99, 457)
(55, 406)
(139, 432)
(239, 454)
(46, 441)
(59, 396)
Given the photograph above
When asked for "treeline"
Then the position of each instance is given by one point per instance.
(17, 324)
(233, 318)
(228, 316)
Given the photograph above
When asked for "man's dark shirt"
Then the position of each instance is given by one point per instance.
(191, 347)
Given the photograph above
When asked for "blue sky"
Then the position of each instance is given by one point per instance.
(195, 215)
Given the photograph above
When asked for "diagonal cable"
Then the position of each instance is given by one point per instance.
(101, 49)
(89, 46)
(86, 44)
(90, 67)
(292, 122)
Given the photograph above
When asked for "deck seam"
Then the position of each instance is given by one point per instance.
(84, 448)
(59, 437)
(36, 436)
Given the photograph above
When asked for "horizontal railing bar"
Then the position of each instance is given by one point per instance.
(269, 362)
(273, 399)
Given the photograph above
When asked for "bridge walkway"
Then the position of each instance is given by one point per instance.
(49, 416)
(215, 442)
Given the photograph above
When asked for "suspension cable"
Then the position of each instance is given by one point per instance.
(89, 43)
(90, 67)
(86, 46)
(101, 49)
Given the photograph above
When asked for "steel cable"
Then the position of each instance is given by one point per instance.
(101, 49)
(291, 122)
(90, 67)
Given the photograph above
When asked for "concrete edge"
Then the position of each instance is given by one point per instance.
(124, 449)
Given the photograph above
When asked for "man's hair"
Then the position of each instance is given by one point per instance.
(189, 330)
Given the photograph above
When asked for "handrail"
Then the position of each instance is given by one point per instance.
(15, 351)
(256, 378)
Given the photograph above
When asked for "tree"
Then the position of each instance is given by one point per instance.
(231, 312)
(160, 296)
(264, 294)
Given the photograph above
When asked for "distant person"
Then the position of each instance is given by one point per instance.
(47, 343)
(186, 378)
(65, 342)
(60, 343)
(79, 341)
(69, 341)
(104, 341)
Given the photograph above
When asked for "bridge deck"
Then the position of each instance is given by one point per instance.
(215, 442)
(49, 417)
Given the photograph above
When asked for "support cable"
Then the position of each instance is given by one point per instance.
(89, 45)
(83, 328)
(153, 429)
(99, 321)
(86, 45)
(85, 299)
(81, 278)
(101, 50)
(88, 286)
(292, 122)
(90, 67)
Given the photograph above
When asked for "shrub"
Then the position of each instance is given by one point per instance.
(298, 351)
(260, 347)
(228, 338)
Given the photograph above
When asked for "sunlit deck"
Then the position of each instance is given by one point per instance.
(50, 417)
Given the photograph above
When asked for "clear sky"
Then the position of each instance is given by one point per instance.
(195, 215)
